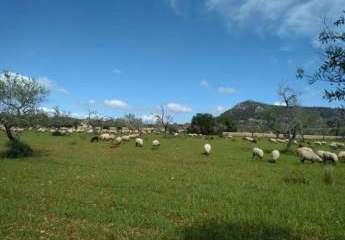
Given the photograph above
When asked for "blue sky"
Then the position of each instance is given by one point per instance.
(191, 55)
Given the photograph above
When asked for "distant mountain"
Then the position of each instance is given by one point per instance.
(247, 110)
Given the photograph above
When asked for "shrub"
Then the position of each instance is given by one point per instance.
(328, 175)
(16, 149)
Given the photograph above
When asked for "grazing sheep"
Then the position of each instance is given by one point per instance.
(328, 156)
(139, 142)
(334, 145)
(306, 153)
(106, 137)
(250, 139)
(275, 156)
(257, 152)
(125, 138)
(282, 140)
(94, 139)
(207, 149)
(118, 140)
(341, 155)
(273, 140)
(318, 143)
(155, 144)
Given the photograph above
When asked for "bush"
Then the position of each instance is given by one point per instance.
(16, 149)
(328, 175)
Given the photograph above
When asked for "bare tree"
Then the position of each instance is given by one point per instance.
(19, 99)
(291, 115)
(164, 118)
(133, 123)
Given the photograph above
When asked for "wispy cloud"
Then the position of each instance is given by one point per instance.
(220, 109)
(178, 108)
(204, 83)
(115, 103)
(226, 90)
(283, 18)
(51, 85)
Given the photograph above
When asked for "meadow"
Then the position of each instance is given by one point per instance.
(72, 189)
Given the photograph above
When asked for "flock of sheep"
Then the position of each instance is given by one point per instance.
(304, 153)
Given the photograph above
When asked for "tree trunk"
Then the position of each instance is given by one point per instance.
(291, 138)
(9, 133)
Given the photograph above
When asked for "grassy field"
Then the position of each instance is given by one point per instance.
(73, 189)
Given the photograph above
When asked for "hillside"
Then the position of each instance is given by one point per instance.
(246, 110)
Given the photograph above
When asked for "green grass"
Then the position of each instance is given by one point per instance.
(73, 189)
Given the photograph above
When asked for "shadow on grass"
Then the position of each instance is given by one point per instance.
(237, 231)
(19, 149)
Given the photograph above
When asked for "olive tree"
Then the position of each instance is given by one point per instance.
(19, 100)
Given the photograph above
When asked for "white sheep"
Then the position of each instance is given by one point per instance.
(125, 138)
(250, 139)
(273, 140)
(306, 153)
(275, 155)
(118, 140)
(155, 144)
(207, 148)
(139, 142)
(318, 143)
(328, 156)
(341, 155)
(257, 152)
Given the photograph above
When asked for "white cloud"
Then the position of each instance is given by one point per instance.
(204, 83)
(51, 85)
(178, 108)
(47, 110)
(115, 103)
(226, 90)
(151, 118)
(283, 17)
(92, 102)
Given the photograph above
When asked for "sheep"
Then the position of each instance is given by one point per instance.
(257, 152)
(139, 142)
(275, 156)
(318, 143)
(334, 145)
(282, 140)
(207, 149)
(250, 139)
(273, 140)
(306, 153)
(94, 139)
(118, 140)
(328, 156)
(341, 155)
(155, 144)
(106, 137)
(295, 142)
(125, 138)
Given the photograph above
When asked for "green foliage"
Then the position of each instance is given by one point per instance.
(17, 149)
(203, 123)
(332, 68)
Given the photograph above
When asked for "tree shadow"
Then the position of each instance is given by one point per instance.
(237, 231)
